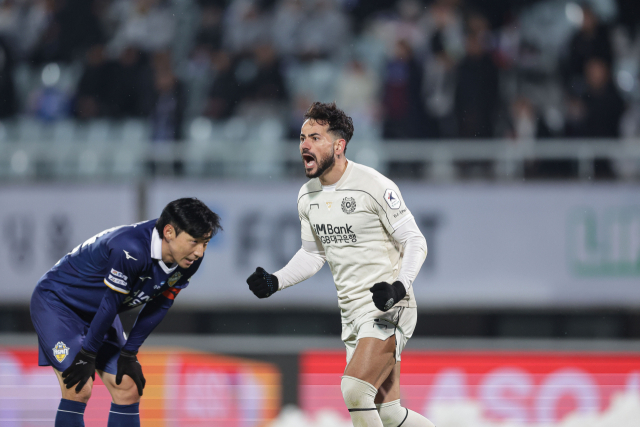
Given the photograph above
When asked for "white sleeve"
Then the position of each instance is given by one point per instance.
(304, 264)
(408, 235)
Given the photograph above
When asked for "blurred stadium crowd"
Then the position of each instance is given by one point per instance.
(405, 69)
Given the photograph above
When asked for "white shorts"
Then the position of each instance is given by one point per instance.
(399, 321)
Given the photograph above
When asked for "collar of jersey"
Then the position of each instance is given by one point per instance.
(342, 179)
(156, 252)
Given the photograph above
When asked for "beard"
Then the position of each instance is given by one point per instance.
(323, 164)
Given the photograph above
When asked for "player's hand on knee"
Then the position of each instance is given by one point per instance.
(386, 296)
(128, 365)
(262, 284)
(82, 368)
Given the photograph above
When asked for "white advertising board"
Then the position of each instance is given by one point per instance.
(490, 246)
(41, 223)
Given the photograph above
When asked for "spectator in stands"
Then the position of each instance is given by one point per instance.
(131, 85)
(8, 101)
(357, 91)
(10, 21)
(439, 89)
(223, 95)
(246, 25)
(49, 102)
(324, 31)
(591, 40)
(288, 25)
(443, 21)
(476, 100)
(266, 84)
(167, 113)
(603, 104)
(403, 112)
(73, 26)
(148, 25)
(402, 23)
(597, 113)
(92, 95)
(209, 35)
(525, 121)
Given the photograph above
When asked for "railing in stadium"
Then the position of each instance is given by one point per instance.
(228, 158)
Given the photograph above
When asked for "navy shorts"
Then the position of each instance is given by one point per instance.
(61, 332)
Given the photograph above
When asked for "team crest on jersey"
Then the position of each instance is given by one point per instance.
(61, 351)
(392, 199)
(173, 279)
(329, 205)
(348, 205)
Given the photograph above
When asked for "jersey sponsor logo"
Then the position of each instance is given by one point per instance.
(333, 229)
(142, 279)
(329, 204)
(173, 279)
(61, 351)
(392, 199)
(348, 205)
(137, 298)
(330, 233)
(118, 274)
(117, 281)
(129, 256)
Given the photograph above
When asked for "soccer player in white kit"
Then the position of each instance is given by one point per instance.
(355, 218)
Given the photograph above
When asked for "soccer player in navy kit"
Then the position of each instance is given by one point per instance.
(75, 306)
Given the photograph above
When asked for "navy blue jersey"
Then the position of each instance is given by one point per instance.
(120, 259)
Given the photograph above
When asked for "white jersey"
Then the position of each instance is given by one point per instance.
(353, 221)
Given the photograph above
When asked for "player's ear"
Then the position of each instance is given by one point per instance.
(169, 232)
(340, 145)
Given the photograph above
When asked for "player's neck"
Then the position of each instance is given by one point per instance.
(167, 258)
(335, 172)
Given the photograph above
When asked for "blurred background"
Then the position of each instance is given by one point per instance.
(512, 128)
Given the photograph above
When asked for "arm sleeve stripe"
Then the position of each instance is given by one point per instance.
(115, 288)
(403, 221)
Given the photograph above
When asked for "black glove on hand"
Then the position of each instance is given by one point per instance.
(262, 284)
(82, 367)
(386, 296)
(128, 365)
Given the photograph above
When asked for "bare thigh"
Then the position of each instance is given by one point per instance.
(374, 361)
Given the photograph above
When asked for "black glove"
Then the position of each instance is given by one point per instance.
(128, 365)
(386, 296)
(262, 284)
(82, 367)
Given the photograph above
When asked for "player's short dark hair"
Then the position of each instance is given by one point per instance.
(190, 215)
(328, 114)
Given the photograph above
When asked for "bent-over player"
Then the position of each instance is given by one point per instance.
(355, 218)
(75, 306)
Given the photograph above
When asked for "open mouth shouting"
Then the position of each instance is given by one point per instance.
(309, 160)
